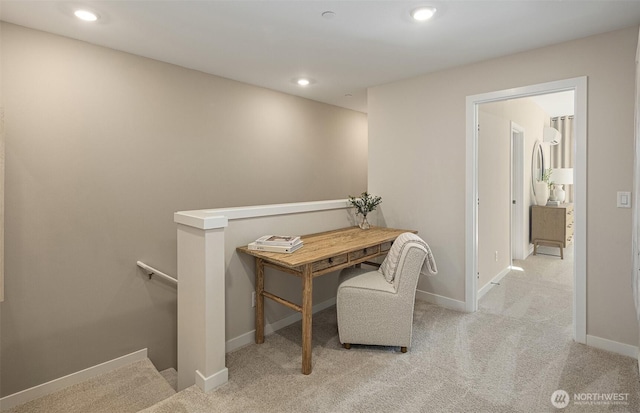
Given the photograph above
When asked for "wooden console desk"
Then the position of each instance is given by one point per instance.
(321, 254)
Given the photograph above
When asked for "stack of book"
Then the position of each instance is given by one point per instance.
(277, 243)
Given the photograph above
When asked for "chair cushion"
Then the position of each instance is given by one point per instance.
(390, 264)
(368, 280)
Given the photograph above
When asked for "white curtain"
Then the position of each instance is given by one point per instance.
(636, 189)
(562, 153)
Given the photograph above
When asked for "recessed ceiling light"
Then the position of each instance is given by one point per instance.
(86, 15)
(422, 14)
(303, 81)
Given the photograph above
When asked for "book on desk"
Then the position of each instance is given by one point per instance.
(275, 248)
(277, 243)
(279, 240)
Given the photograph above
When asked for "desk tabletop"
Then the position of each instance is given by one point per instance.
(328, 244)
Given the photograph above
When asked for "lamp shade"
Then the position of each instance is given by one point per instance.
(562, 176)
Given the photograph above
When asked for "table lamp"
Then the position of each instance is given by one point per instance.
(560, 177)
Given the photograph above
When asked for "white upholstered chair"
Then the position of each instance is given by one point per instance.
(376, 307)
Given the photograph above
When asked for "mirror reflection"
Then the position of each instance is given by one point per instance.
(537, 165)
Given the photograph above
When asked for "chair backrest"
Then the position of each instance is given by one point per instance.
(403, 263)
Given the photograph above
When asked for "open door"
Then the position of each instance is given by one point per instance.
(519, 238)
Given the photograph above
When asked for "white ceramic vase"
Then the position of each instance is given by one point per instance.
(542, 193)
(560, 193)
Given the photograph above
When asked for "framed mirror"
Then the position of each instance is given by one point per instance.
(537, 165)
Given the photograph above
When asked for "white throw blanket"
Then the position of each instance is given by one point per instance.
(390, 263)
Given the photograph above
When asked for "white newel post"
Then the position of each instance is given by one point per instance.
(201, 305)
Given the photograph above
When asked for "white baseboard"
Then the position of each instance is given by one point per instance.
(613, 346)
(209, 383)
(495, 280)
(52, 386)
(249, 337)
(440, 300)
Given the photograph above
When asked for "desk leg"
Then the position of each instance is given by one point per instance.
(259, 301)
(307, 314)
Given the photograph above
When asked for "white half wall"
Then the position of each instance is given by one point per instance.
(216, 283)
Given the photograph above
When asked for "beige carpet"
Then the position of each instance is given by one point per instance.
(510, 356)
(127, 389)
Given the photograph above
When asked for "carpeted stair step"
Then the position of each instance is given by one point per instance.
(171, 376)
(130, 388)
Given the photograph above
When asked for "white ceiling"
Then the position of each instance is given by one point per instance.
(556, 104)
(367, 43)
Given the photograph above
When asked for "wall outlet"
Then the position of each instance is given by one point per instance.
(496, 257)
(253, 299)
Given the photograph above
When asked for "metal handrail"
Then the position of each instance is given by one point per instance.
(152, 271)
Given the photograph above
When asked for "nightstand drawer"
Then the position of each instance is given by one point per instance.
(569, 232)
(552, 223)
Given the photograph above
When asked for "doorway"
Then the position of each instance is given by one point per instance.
(579, 87)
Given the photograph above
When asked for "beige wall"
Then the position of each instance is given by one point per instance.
(494, 169)
(102, 147)
(417, 162)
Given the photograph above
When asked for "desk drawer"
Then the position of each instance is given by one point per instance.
(329, 262)
(385, 246)
(365, 252)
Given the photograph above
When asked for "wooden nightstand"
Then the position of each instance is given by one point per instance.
(552, 226)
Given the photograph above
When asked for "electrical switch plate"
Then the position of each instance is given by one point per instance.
(624, 199)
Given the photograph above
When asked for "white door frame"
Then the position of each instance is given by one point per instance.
(517, 193)
(579, 86)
